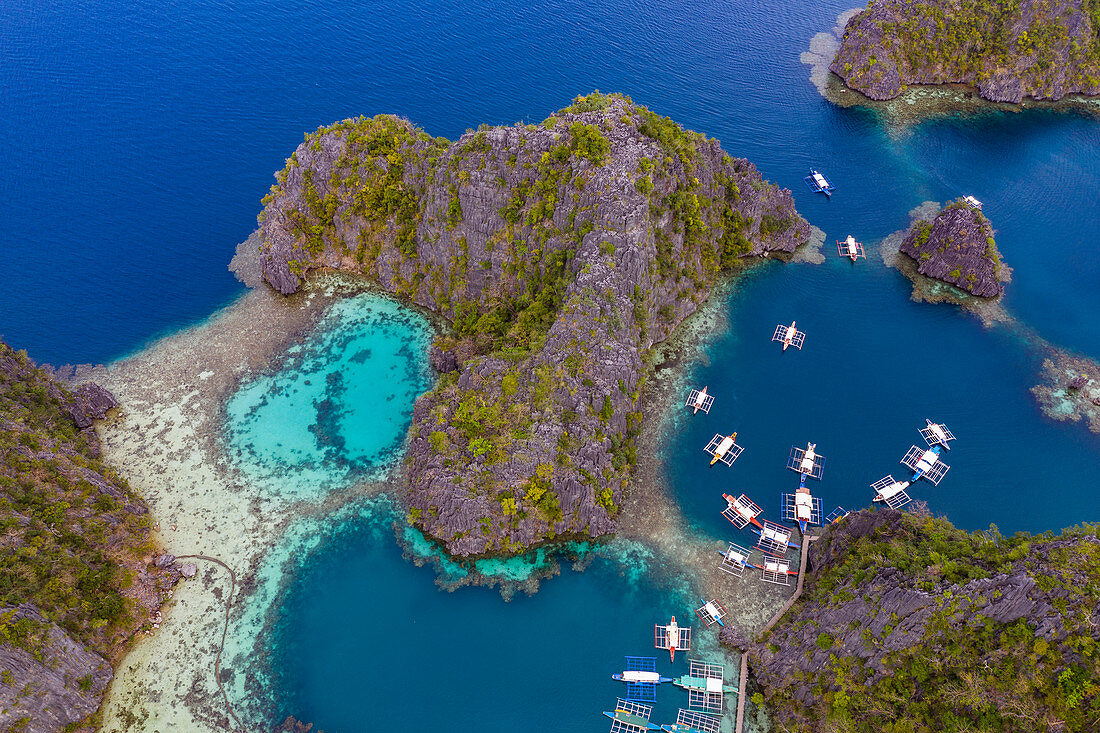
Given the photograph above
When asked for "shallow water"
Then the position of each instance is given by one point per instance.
(339, 403)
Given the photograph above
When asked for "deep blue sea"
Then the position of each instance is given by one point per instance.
(137, 139)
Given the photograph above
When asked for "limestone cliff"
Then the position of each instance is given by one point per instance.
(957, 247)
(74, 587)
(907, 623)
(1010, 50)
(559, 253)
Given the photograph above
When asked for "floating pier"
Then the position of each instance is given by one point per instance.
(734, 560)
(850, 248)
(698, 399)
(926, 464)
(705, 687)
(630, 717)
(936, 434)
(774, 539)
(776, 571)
(723, 448)
(789, 336)
(641, 678)
(818, 183)
(711, 612)
(891, 492)
(801, 507)
(741, 511)
(673, 637)
(692, 721)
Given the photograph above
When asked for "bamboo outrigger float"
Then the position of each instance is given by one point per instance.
(673, 637)
(850, 248)
(723, 448)
(789, 336)
(698, 399)
(741, 511)
(641, 678)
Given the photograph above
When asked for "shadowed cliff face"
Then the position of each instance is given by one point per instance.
(559, 253)
(1039, 49)
(957, 247)
(911, 623)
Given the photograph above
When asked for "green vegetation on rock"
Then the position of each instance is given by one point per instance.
(909, 624)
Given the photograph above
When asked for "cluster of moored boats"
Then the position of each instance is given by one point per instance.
(704, 683)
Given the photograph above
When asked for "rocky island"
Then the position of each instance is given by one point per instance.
(1008, 51)
(559, 254)
(909, 624)
(958, 248)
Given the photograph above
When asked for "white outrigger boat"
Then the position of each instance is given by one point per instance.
(801, 507)
(936, 434)
(741, 510)
(723, 448)
(850, 248)
(891, 492)
(926, 464)
(711, 612)
(789, 336)
(698, 399)
(693, 721)
(774, 570)
(673, 637)
(641, 678)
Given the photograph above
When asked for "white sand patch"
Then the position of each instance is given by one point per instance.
(166, 443)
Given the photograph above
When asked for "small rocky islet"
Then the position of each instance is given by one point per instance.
(957, 247)
(1009, 52)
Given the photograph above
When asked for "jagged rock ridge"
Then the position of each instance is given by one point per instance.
(957, 247)
(907, 623)
(1009, 51)
(560, 253)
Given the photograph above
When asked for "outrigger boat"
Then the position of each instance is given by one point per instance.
(691, 721)
(789, 336)
(723, 448)
(630, 717)
(741, 511)
(775, 539)
(850, 248)
(936, 434)
(925, 464)
(801, 507)
(711, 612)
(734, 560)
(818, 183)
(836, 515)
(806, 462)
(641, 678)
(673, 637)
(706, 690)
(699, 400)
(891, 492)
(776, 571)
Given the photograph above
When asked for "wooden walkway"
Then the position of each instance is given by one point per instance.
(741, 688)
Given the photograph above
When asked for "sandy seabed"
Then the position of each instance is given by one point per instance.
(166, 441)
